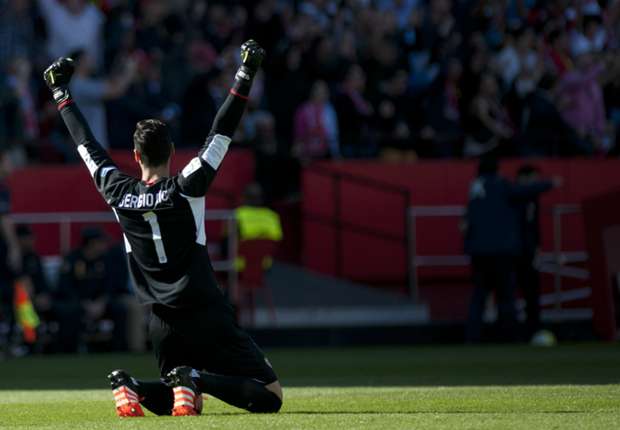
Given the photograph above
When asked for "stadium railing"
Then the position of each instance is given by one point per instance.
(556, 263)
(65, 219)
(338, 222)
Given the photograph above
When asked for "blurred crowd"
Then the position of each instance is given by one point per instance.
(397, 79)
(83, 304)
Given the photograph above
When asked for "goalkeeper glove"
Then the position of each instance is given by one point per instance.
(251, 58)
(57, 77)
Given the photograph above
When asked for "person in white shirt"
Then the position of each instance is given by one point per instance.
(72, 25)
(91, 92)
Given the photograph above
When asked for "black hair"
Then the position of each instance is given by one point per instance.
(152, 141)
(253, 195)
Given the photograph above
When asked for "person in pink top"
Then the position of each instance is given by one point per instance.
(581, 97)
(316, 126)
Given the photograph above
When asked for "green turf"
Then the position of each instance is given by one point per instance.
(568, 387)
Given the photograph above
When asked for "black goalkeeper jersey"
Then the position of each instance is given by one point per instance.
(162, 223)
(163, 226)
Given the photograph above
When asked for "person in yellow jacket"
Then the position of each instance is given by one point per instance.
(256, 222)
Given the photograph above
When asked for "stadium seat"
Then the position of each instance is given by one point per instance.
(256, 256)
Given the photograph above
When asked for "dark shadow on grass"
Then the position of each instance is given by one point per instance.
(49, 385)
(54, 386)
(452, 412)
(426, 366)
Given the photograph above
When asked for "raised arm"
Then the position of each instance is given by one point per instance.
(528, 191)
(100, 165)
(200, 172)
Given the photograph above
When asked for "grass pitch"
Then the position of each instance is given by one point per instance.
(504, 387)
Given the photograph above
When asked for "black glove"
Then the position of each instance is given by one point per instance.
(251, 58)
(57, 77)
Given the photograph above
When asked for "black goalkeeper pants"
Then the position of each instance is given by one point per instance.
(208, 340)
(232, 367)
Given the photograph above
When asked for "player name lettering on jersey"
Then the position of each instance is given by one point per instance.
(146, 200)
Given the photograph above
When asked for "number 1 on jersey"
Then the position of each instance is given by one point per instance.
(151, 218)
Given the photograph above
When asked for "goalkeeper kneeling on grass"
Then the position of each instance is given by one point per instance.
(197, 342)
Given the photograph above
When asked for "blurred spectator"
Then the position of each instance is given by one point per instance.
(10, 254)
(527, 276)
(118, 275)
(489, 123)
(259, 229)
(443, 113)
(593, 36)
(32, 267)
(119, 32)
(207, 90)
(611, 92)
(438, 29)
(10, 126)
(477, 64)
(25, 128)
(255, 220)
(146, 97)
(89, 294)
(266, 23)
(395, 136)
(17, 35)
(354, 113)
(155, 28)
(493, 240)
(581, 98)
(73, 25)
(518, 56)
(401, 8)
(199, 105)
(395, 118)
(316, 126)
(544, 132)
(276, 172)
(287, 87)
(91, 92)
(559, 52)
